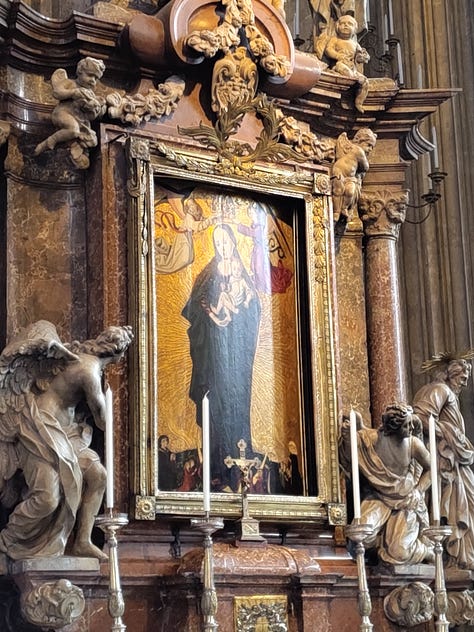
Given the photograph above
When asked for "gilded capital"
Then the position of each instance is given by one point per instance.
(382, 212)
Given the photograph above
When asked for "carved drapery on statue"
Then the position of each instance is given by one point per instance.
(50, 476)
(395, 465)
(439, 398)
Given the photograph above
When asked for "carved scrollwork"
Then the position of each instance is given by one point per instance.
(461, 607)
(241, 42)
(53, 605)
(410, 605)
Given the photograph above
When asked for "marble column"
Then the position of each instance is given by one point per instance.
(382, 213)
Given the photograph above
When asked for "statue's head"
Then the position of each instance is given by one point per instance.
(457, 374)
(397, 419)
(114, 341)
(346, 26)
(366, 139)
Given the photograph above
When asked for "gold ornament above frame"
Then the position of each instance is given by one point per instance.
(230, 295)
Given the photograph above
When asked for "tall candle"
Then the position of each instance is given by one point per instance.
(434, 140)
(297, 17)
(400, 64)
(109, 448)
(419, 77)
(390, 17)
(434, 470)
(385, 31)
(355, 464)
(206, 457)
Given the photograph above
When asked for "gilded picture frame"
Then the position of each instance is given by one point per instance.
(177, 219)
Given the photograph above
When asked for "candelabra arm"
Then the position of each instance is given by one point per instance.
(437, 534)
(358, 533)
(209, 596)
(110, 524)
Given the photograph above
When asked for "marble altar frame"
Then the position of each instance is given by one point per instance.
(309, 194)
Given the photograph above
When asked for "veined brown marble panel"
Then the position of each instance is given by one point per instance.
(354, 378)
(45, 254)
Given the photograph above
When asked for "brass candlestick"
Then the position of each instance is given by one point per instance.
(110, 524)
(208, 526)
(358, 533)
(437, 534)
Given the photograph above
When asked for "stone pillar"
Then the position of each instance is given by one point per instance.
(382, 212)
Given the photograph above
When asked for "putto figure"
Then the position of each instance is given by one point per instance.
(345, 54)
(349, 169)
(396, 466)
(50, 479)
(440, 398)
(78, 106)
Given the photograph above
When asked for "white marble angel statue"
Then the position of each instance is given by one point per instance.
(50, 479)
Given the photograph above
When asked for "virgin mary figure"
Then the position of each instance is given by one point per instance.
(224, 314)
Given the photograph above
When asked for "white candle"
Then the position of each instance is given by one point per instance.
(434, 471)
(390, 17)
(206, 457)
(419, 77)
(400, 64)
(434, 140)
(109, 448)
(355, 464)
(367, 13)
(385, 31)
(297, 17)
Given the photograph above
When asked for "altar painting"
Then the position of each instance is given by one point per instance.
(227, 325)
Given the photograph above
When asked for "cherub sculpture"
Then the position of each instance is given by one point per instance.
(344, 54)
(396, 465)
(78, 106)
(50, 479)
(350, 167)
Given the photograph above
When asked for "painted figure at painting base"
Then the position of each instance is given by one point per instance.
(51, 479)
(222, 347)
(396, 465)
(440, 398)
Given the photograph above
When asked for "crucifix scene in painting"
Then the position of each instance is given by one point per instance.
(227, 327)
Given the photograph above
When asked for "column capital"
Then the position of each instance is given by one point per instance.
(382, 212)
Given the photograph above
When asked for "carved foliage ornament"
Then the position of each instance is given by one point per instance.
(383, 212)
(241, 42)
(237, 157)
(53, 604)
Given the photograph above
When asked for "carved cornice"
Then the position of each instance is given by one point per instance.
(38, 45)
(382, 212)
(35, 43)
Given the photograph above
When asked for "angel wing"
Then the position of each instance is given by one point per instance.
(29, 362)
(343, 145)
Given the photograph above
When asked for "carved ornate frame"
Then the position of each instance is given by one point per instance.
(310, 191)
